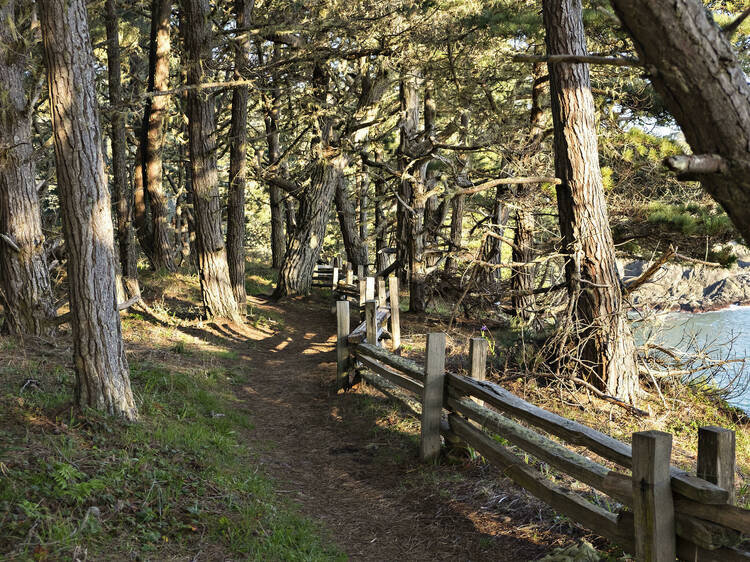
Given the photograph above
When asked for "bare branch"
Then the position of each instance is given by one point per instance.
(588, 59)
(697, 164)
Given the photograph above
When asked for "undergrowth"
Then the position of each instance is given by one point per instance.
(182, 482)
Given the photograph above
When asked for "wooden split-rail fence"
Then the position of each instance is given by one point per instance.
(663, 513)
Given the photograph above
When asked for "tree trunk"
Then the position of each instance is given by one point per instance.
(605, 341)
(356, 250)
(409, 99)
(121, 187)
(25, 290)
(380, 220)
(522, 276)
(696, 72)
(216, 287)
(152, 137)
(272, 108)
(238, 161)
(103, 380)
(295, 276)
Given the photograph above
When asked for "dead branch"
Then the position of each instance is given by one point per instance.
(650, 272)
(587, 59)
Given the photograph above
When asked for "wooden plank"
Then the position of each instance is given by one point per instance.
(478, 348)
(413, 405)
(589, 515)
(558, 456)
(652, 497)
(704, 533)
(369, 289)
(392, 375)
(432, 396)
(578, 434)
(691, 552)
(406, 366)
(395, 313)
(716, 452)
(342, 344)
(689, 531)
(359, 334)
(726, 515)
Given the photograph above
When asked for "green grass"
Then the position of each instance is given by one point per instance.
(180, 480)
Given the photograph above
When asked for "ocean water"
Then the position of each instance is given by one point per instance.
(723, 333)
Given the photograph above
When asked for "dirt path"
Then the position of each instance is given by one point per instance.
(346, 468)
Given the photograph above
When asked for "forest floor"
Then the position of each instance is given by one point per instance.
(243, 451)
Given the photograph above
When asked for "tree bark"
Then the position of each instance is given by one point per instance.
(102, 377)
(152, 137)
(121, 187)
(599, 322)
(238, 161)
(696, 72)
(409, 100)
(303, 250)
(522, 277)
(272, 109)
(356, 250)
(216, 287)
(25, 290)
(295, 276)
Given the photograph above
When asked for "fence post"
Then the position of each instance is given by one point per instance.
(653, 508)
(478, 360)
(362, 298)
(349, 274)
(335, 279)
(716, 457)
(370, 289)
(371, 324)
(432, 396)
(381, 292)
(361, 271)
(342, 343)
(395, 321)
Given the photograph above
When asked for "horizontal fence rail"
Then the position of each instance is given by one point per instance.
(663, 514)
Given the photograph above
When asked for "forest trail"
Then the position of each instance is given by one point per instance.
(362, 482)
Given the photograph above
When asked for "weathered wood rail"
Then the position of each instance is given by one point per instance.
(661, 513)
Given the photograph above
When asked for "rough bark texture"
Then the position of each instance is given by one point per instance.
(522, 277)
(121, 187)
(25, 291)
(409, 99)
(216, 287)
(102, 378)
(238, 161)
(303, 250)
(356, 250)
(295, 276)
(599, 323)
(695, 71)
(160, 248)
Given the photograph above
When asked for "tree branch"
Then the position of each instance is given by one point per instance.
(588, 59)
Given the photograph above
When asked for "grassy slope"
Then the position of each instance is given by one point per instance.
(180, 481)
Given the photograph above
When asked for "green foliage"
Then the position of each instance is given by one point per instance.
(691, 219)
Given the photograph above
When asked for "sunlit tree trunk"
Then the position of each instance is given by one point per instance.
(121, 187)
(25, 291)
(216, 287)
(599, 322)
(103, 380)
(238, 161)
